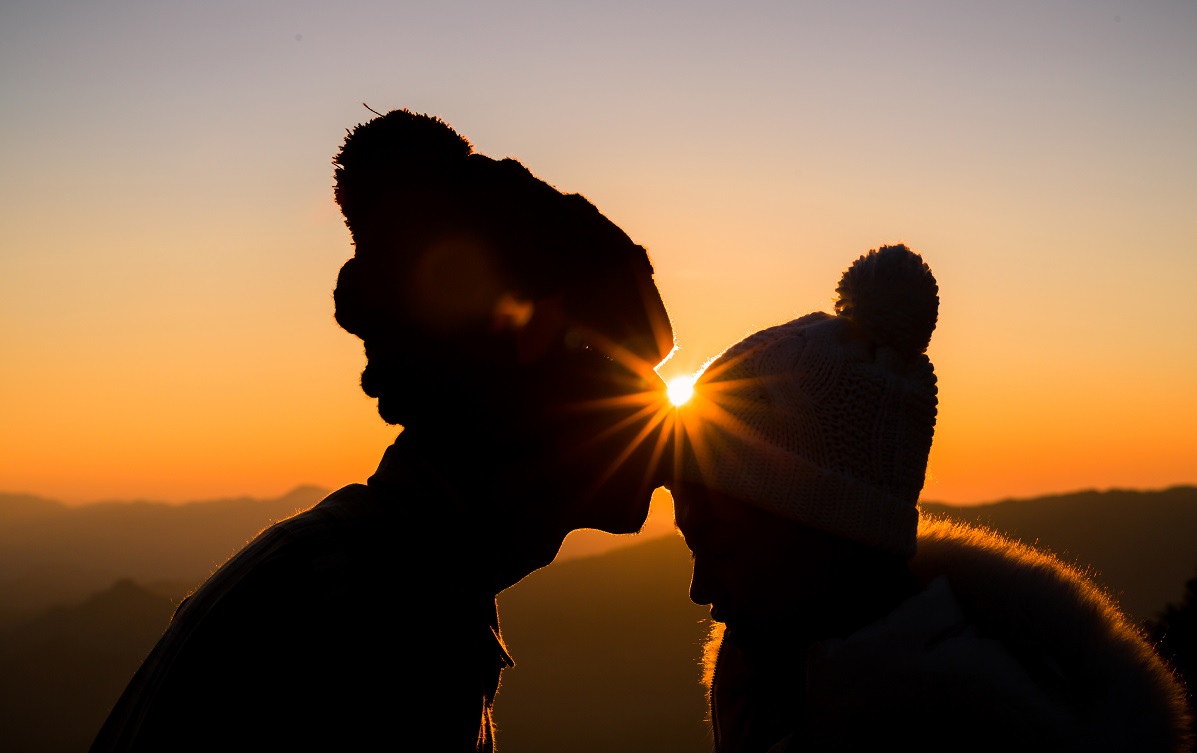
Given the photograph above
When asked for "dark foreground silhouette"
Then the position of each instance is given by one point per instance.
(512, 331)
(608, 644)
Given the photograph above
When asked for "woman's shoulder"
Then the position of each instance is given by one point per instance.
(1066, 629)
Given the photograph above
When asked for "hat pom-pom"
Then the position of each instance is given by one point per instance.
(892, 297)
(399, 148)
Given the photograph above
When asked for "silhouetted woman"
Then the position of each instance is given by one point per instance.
(851, 624)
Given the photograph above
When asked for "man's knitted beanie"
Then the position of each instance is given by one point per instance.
(828, 420)
(447, 239)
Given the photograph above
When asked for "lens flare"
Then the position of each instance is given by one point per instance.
(680, 389)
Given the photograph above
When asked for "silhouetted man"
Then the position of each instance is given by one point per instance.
(512, 331)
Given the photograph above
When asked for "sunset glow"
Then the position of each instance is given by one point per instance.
(169, 241)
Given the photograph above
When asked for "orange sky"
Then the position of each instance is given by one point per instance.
(168, 240)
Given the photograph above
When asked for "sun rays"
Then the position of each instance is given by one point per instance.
(701, 425)
(659, 424)
(680, 389)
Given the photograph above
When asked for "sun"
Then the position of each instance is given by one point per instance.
(680, 389)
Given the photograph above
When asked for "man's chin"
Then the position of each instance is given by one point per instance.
(750, 633)
(730, 618)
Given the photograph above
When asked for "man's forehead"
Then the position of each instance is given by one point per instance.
(700, 506)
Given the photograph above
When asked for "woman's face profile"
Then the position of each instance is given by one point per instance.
(757, 570)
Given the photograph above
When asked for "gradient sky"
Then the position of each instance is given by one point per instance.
(169, 242)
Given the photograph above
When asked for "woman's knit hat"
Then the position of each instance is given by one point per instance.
(828, 420)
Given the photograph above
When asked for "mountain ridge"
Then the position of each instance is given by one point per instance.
(10, 498)
(53, 553)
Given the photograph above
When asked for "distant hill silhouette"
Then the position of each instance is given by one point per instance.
(61, 672)
(54, 554)
(606, 655)
(606, 646)
(1142, 545)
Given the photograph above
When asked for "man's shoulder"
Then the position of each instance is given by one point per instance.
(347, 503)
(351, 496)
(340, 532)
(294, 616)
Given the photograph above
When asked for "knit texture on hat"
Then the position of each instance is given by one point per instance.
(828, 420)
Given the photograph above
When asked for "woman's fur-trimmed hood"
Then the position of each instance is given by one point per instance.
(1006, 647)
(1116, 692)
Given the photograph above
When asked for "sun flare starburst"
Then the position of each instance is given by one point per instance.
(680, 389)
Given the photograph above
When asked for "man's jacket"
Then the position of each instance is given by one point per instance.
(346, 627)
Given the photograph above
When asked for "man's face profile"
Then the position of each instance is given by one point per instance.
(509, 326)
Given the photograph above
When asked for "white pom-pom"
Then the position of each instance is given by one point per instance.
(892, 297)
